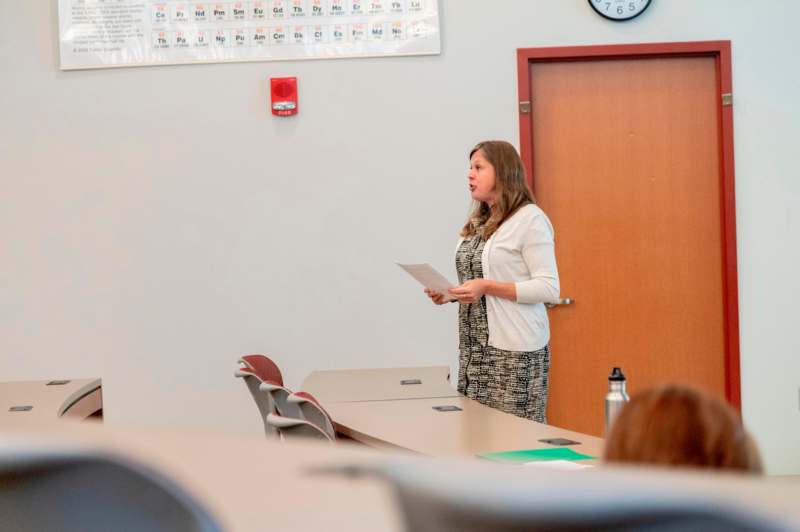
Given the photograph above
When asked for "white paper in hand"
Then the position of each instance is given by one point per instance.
(429, 278)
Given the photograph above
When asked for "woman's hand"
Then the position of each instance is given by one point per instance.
(470, 291)
(436, 297)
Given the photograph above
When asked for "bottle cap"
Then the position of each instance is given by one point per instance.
(616, 375)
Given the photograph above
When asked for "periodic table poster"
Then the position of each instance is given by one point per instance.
(117, 33)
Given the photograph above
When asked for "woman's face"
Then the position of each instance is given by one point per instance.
(481, 178)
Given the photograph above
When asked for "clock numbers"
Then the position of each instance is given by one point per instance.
(619, 10)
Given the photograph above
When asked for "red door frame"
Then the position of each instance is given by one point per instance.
(721, 52)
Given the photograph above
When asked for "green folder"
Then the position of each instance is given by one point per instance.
(534, 455)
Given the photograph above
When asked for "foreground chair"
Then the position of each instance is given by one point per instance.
(87, 492)
(472, 497)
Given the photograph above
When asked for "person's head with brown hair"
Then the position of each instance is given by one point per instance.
(497, 185)
(681, 426)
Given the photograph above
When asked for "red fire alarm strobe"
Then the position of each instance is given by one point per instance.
(284, 96)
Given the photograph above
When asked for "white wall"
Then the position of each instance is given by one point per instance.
(157, 222)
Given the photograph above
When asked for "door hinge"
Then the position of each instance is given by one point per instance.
(727, 99)
(524, 107)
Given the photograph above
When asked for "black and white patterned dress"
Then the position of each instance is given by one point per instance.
(511, 381)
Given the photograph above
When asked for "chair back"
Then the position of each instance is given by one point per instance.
(473, 497)
(312, 411)
(264, 367)
(93, 491)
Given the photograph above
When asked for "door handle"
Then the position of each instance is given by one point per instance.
(560, 302)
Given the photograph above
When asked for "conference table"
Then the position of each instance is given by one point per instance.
(378, 407)
(47, 400)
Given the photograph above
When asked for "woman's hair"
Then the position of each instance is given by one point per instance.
(510, 186)
(680, 426)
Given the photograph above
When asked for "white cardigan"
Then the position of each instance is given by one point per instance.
(521, 251)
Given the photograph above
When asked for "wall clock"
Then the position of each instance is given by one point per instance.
(619, 10)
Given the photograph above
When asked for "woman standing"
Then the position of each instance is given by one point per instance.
(507, 269)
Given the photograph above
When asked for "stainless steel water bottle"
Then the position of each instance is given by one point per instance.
(616, 396)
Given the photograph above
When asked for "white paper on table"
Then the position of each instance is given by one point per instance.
(429, 277)
(565, 465)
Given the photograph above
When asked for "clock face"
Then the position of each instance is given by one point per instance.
(619, 9)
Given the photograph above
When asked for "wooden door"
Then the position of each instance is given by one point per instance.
(625, 159)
